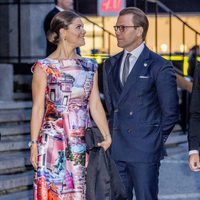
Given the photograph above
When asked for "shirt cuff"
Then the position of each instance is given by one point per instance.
(193, 152)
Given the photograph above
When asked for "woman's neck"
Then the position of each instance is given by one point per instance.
(63, 52)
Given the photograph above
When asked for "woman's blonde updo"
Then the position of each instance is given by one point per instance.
(61, 20)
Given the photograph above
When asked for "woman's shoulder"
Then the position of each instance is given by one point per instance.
(46, 64)
(43, 62)
(90, 60)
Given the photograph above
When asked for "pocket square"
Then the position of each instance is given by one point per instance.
(143, 76)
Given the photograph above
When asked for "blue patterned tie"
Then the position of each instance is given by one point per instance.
(126, 67)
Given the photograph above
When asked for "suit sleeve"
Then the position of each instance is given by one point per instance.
(168, 98)
(106, 88)
(46, 24)
(194, 124)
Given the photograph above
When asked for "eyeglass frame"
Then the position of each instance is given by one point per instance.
(116, 28)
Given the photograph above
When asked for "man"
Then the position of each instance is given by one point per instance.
(141, 99)
(192, 59)
(194, 125)
(61, 5)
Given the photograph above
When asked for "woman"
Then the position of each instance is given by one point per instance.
(64, 90)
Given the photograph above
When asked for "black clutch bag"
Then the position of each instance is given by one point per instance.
(93, 136)
(103, 181)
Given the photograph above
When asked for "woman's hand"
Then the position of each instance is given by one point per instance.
(34, 155)
(106, 143)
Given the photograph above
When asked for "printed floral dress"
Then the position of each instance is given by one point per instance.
(62, 159)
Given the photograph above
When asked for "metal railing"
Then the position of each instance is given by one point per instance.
(157, 4)
(184, 94)
(147, 6)
(104, 31)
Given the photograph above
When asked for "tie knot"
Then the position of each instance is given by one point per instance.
(128, 55)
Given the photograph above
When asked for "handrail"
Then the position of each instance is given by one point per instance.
(102, 28)
(168, 10)
(19, 3)
(184, 25)
(96, 24)
(110, 34)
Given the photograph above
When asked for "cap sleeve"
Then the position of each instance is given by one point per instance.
(41, 65)
(92, 64)
(47, 68)
(95, 65)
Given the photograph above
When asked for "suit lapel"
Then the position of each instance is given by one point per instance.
(142, 63)
(115, 72)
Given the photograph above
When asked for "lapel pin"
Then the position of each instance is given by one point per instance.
(145, 64)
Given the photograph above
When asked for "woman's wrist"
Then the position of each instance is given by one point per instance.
(107, 136)
(32, 143)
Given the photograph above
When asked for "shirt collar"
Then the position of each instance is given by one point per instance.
(59, 8)
(137, 51)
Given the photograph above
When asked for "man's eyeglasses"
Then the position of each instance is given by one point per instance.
(122, 28)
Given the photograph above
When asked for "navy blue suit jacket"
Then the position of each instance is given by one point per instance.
(144, 111)
(194, 125)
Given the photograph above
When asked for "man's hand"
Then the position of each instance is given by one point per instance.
(194, 162)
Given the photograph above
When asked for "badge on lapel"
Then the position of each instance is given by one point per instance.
(145, 65)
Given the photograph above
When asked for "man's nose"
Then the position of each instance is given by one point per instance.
(117, 32)
(84, 31)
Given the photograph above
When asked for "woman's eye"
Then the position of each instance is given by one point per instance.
(78, 27)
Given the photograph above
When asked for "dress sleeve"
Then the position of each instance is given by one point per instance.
(47, 68)
(41, 65)
(95, 65)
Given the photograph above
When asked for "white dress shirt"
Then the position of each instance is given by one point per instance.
(133, 58)
(193, 152)
(59, 8)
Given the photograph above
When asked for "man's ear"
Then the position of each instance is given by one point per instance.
(140, 31)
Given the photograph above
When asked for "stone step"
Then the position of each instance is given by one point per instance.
(24, 195)
(177, 128)
(10, 105)
(14, 145)
(15, 116)
(18, 96)
(23, 79)
(12, 162)
(15, 129)
(175, 140)
(11, 182)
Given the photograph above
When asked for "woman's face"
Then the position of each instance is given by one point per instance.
(74, 35)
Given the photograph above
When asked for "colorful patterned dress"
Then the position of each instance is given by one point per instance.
(62, 159)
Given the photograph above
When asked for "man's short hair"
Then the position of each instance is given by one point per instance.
(139, 18)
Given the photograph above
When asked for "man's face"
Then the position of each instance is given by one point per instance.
(129, 36)
(65, 4)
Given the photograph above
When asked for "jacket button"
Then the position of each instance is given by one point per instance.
(116, 110)
(130, 130)
(131, 113)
